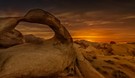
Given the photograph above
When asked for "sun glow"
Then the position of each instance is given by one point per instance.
(88, 38)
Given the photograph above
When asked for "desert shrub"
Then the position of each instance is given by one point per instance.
(97, 68)
(104, 72)
(112, 42)
(101, 70)
(94, 57)
(107, 67)
(131, 43)
(110, 51)
(119, 74)
(128, 66)
(116, 58)
(109, 61)
(90, 60)
(133, 52)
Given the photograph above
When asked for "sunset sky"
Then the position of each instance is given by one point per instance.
(93, 20)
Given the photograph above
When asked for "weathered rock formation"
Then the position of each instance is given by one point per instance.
(30, 60)
(46, 58)
(10, 38)
(8, 35)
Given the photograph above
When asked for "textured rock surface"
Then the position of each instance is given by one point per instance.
(10, 38)
(38, 60)
(8, 35)
(59, 57)
(119, 62)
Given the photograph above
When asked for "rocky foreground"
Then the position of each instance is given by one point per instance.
(28, 56)
(110, 59)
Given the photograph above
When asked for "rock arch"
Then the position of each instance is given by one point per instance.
(51, 57)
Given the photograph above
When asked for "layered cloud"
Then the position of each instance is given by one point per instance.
(95, 20)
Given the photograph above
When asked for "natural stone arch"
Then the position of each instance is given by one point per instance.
(51, 57)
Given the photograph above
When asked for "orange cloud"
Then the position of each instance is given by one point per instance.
(93, 26)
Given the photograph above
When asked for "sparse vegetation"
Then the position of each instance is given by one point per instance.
(109, 61)
(119, 74)
(101, 70)
(104, 72)
(116, 58)
(128, 67)
(112, 42)
(107, 67)
(97, 68)
(94, 57)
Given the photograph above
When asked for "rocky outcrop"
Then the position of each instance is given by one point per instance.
(38, 60)
(8, 35)
(110, 60)
(11, 38)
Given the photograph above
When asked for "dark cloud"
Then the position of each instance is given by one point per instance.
(70, 5)
(98, 18)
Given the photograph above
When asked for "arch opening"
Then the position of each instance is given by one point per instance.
(38, 30)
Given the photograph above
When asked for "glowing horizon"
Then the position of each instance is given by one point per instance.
(93, 20)
(89, 34)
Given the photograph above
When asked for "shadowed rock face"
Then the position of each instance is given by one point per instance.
(8, 35)
(33, 39)
(10, 38)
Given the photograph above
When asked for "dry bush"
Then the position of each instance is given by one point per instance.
(94, 57)
(116, 58)
(119, 74)
(107, 67)
(109, 61)
(101, 71)
(128, 66)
